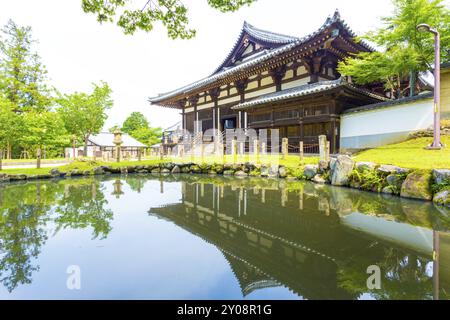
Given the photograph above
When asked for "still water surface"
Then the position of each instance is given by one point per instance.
(199, 237)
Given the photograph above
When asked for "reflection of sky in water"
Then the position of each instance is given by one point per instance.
(143, 257)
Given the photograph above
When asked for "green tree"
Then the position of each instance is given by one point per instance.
(10, 127)
(137, 126)
(84, 114)
(148, 136)
(22, 74)
(173, 14)
(135, 120)
(405, 50)
(43, 129)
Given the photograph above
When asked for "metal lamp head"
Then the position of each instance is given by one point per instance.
(426, 28)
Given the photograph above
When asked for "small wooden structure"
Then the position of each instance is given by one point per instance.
(102, 146)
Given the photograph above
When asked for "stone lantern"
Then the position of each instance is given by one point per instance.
(118, 142)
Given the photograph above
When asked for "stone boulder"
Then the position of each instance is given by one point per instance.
(240, 173)
(324, 165)
(123, 170)
(387, 190)
(228, 172)
(310, 171)
(417, 185)
(282, 172)
(395, 182)
(55, 173)
(17, 177)
(442, 198)
(441, 175)
(165, 171)
(185, 169)
(340, 174)
(195, 169)
(176, 170)
(74, 173)
(98, 171)
(389, 169)
(318, 179)
(365, 166)
(273, 171)
(218, 168)
(264, 171)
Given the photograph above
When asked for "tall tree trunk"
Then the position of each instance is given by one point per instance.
(85, 145)
(412, 83)
(73, 148)
(1, 158)
(38, 159)
(8, 151)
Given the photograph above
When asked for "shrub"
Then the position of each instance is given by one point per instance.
(369, 180)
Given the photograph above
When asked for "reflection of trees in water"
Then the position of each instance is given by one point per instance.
(136, 182)
(23, 215)
(25, 210)
(83, 205)
(403, 275)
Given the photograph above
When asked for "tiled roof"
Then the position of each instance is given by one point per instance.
(105, 139)
(267, 36)
(259, 58)
(303, 90)
(423, 96)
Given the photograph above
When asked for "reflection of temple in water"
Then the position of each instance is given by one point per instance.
(271, 236)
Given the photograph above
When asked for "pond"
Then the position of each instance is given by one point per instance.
(202, 237)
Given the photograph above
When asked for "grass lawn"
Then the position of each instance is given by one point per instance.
(410, 154)
(291, 161)
(22, 161)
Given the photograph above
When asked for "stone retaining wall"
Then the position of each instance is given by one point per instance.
(341, 171)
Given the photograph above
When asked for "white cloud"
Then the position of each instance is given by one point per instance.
(78, 51)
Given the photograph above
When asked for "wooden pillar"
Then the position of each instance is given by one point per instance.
(284, 148)
(334, 137)
(241, 85)
(234, 149)
(327, 151)
(214, 94)
(301, 151)
(322, 146)
(256, 150)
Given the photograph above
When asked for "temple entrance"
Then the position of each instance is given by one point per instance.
(229, 123)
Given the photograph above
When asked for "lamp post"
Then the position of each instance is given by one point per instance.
(437, 84)
(118, 142)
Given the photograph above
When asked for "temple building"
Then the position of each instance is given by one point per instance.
(275, 81)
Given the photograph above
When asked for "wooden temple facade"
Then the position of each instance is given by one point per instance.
(274, 81)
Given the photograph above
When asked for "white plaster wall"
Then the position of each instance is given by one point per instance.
(398, 118)
(295, 83)
(260, 92)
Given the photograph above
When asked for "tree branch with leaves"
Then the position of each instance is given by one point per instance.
(173, 14)
(404, 51)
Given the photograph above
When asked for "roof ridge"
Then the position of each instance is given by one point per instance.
(251, 28)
